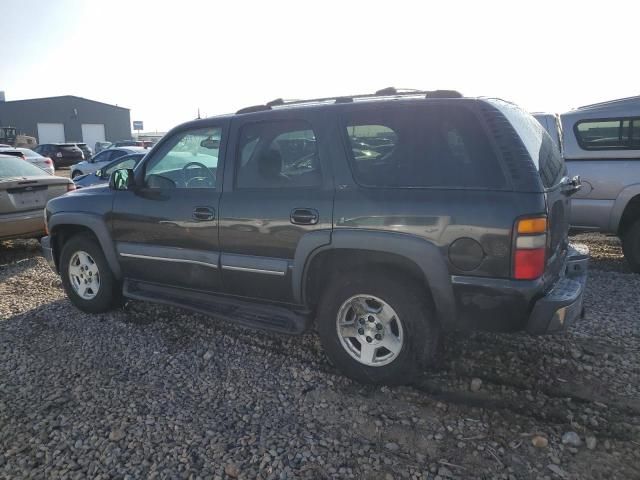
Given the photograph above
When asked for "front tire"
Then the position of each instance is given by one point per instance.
(631, 246)
(378, 328)
(75, 174)
(86, 276)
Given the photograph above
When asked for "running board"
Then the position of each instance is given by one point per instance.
(248, 314)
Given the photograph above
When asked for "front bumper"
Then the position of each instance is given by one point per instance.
(47, 251)
(562, 305)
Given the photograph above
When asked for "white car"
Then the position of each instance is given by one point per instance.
(45, 163)
(30, 156)
(103, 158)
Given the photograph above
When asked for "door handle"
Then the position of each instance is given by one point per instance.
(304, 216)
(203, 214)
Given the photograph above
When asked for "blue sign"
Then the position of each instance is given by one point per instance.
(137, 125)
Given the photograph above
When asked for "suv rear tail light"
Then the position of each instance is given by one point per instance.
(71, 187)
(47, 161)
(530, 248)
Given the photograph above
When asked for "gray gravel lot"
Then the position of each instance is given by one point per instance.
(151, 391)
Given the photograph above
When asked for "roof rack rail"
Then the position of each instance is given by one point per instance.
(443, 94)
(276, 102)
(385, 92)
(254, 108)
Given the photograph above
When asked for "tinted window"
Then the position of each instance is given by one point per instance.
(608, 134)
(277, 155)
(429, 147)
(189, 160)
(542, 149)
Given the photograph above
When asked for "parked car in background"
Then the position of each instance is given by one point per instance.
(45, 163)
(101, 176)
(101, 146)
(602, 145)
(102, 159)
(132, 143)
(552, 124)
(14, 152)
(86, 150)
(385, 219)
(24, 191)
(62, 154)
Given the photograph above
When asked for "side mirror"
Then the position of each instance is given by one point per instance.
(122, 179)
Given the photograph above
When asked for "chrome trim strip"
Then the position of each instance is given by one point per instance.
(165, 259)
(254, 270)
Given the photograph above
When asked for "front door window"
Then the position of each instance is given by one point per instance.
(191, 161)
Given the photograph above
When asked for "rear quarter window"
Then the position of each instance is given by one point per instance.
(432, 146)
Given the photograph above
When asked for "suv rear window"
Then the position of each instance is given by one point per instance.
(542, 149)
(437, 146)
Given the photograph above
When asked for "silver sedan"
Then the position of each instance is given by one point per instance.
(24, 191)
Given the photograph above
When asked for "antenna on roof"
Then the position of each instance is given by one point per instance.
(199, 113)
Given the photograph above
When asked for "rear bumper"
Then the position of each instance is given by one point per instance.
(563, 304)
(22, 224)
(65, 161)
(506, 305)
(47, 252)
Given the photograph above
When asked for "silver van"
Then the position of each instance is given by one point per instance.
(601, 143)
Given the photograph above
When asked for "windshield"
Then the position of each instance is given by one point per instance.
(15, 167)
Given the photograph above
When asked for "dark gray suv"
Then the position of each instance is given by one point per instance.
(382, 220)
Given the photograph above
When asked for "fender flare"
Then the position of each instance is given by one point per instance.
(424, 254)
(98, 226)
(621, 202)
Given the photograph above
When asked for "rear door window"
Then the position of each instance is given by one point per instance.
(278, 154)
(438, 146)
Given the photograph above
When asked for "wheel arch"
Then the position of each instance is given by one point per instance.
(625, 209)
(402, 253)
(62, 226)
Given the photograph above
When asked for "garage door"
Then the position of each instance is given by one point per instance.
(51, 133)
(92, 133)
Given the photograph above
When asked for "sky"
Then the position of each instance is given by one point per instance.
(166, 59)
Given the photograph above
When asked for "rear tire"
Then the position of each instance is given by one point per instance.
(631, 246)
(86, 276)
(365, 312)
(75, 174)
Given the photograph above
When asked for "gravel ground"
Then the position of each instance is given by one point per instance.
(151, 391)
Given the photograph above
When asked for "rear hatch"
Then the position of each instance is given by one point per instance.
(552, 173)
(25, 187)
(70, 151)
(23, 194)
